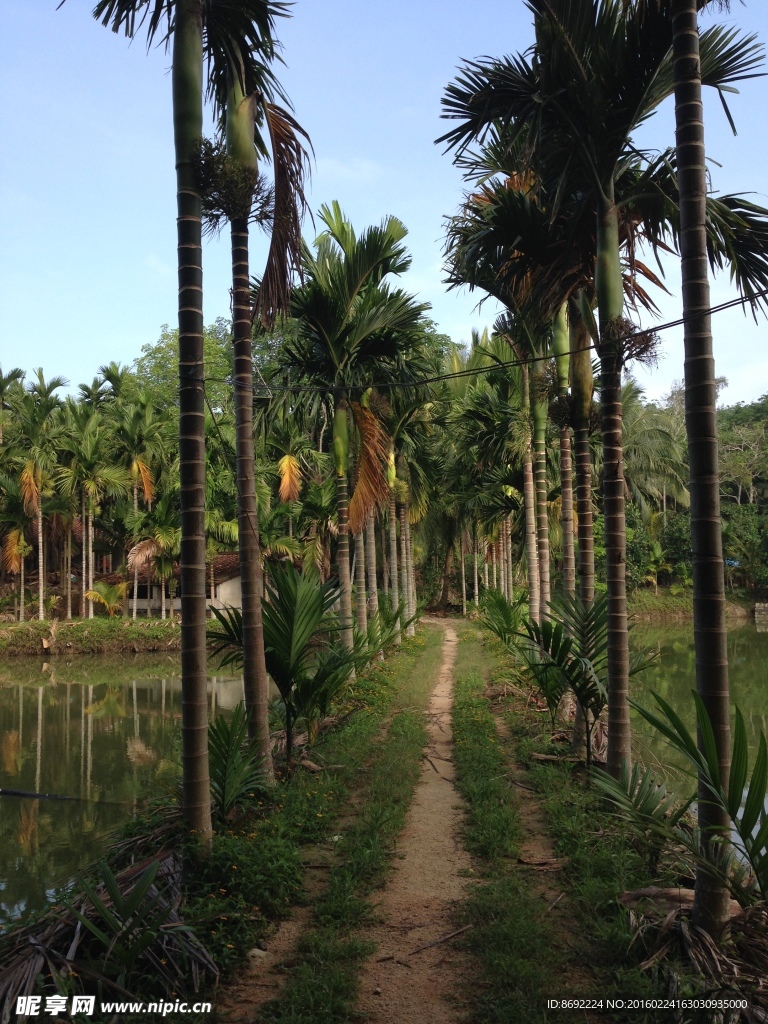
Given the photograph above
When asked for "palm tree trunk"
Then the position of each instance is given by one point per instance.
(90, 555)
(162, 598)
(485, 564)
(410, 572)
(370, 557)
(463, 578)
(581, 393)
(21, 582)
(531, 548)
(566, 510)
(360, 599)
(40, 562)
(251, 577)
(341, 455)
(475, 575)
(539, 409)
(187, 85)
(404, 586)
(384, 537)
(510, 560)
(136, 567)
(69, 570)
(710, 909)
(610, 298)
(83, 557)
(503, 560)
(494, 571)
(393, 557)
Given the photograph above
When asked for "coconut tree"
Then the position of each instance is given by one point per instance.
(353, 330)
(223, 32)
(597, 72)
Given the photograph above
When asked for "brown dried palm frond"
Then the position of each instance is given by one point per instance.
(291, 168)
(289, 471)
(142, 553)
(371, 487)
(737, 966)
(59, 951)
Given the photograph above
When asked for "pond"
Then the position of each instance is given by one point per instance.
(674, 676)
(102, 729)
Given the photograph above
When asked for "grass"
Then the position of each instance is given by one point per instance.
(585, 948)
(88, 636)
(322, 986)
(512, 944)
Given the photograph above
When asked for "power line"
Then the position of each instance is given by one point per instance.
(473, 371)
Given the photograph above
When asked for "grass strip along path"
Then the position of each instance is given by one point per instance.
(376, 758)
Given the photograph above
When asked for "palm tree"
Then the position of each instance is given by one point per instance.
(353, 330)
(41, 433)
(7, 381)
(222, 32)
(139, 435)
(709, 626)
(236, 191)
(596, 74)
(91, 473)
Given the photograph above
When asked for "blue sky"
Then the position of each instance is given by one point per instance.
(85, 120)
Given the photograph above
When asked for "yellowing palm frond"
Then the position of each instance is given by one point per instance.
(13, 550)
(30, 487)
(290, 478)
(142, 554)
(142, 471)
(371, 487)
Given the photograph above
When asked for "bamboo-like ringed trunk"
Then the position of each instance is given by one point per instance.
(566, 511)
(69, 570)
(360, 597)
(463, 578)
(610, 294)
(395, 588)
(187, 88)
(384, 537)
(342, 555)
(411, 574)
(475, 575)
(90, 555)
(510, 560)
(404, 585)
(531, 548)
(370, 560)
(711, 901)
(40, 561)
(581, 392)
(542, 514)
(135, 594)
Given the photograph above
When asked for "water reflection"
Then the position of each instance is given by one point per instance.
(674, 676)
(103, 731)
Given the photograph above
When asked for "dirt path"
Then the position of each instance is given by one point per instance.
(399, 985)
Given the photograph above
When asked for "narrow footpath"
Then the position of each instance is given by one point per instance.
(414, 977)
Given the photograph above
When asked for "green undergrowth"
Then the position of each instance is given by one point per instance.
(508, 937)
(92, 636)
(321, 985)
(583, 948)
(600, 862)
